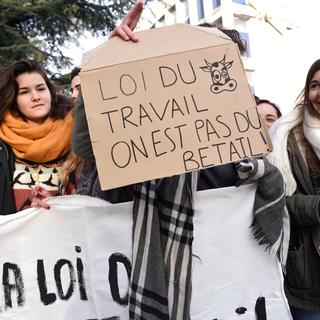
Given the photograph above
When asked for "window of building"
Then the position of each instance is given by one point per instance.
(200, 9)
(185, 11)
(245, 37)
(240, 1)
(216, 3)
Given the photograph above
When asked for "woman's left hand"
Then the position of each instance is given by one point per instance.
(128, 23)
(39, 197)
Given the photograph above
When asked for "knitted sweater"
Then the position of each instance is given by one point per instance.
(28, 175)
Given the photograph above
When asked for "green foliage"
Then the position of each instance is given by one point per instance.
(38, 29)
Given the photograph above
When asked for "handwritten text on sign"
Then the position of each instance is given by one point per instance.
(170, 115)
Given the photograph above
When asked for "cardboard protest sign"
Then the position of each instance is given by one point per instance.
(74, 262)
(176, 101)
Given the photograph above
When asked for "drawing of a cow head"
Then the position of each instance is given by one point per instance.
(221, 80)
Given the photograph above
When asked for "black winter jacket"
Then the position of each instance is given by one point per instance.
(7, 160)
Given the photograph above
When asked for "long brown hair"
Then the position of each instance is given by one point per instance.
(60, 104)
(73, 165)
(303, 98)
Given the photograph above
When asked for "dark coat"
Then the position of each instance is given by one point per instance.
(7, 159)
(302, 280)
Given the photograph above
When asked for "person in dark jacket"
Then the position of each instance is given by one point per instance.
(296, 142)
(7, 205)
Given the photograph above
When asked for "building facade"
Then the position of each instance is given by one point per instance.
(266, 36)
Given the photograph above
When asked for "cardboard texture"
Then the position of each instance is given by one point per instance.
(176, 101)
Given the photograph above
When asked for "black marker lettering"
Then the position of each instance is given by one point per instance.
(225, 125)
(143, 81)
(217, 145)
(175, 108)
(196, 106)
(102, 96)
(45, 297)
(199, 124)
(114, 259)
(180, 133)
(193, 73)
(143, 114)
(109, 118)
(186, 104)
(259, 124)
(242, 147)
(251, 152)
(126, 116)
(154, 143)
(233, 150)
(188, 161)
(57, 276)
(114, 150)
(260, 309)
(164, 111)
(81, 279)
(125, 85)
(211, 130)
(171, 76)
(202, 157)
(172, 141)
(241, 122)
(17, 286)
(135, 147)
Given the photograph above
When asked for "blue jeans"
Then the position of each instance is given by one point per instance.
(299, 314)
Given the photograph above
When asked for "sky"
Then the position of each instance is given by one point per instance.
(86, 43)
(281, 65)
(284, 63)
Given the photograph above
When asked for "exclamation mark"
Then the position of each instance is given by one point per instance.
(264, 141)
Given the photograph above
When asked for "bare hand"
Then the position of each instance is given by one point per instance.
(39, 195)
(128, 23)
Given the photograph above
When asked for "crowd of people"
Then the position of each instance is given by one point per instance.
(45, 150)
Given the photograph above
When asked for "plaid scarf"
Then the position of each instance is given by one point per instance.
(270, 225)
(160, 286)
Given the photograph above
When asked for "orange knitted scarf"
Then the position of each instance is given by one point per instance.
(43, 143)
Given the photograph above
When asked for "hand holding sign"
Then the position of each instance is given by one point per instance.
(128, 23)
(163, 114)
(39, 196)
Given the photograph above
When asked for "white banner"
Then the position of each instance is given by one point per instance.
(73, 261)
